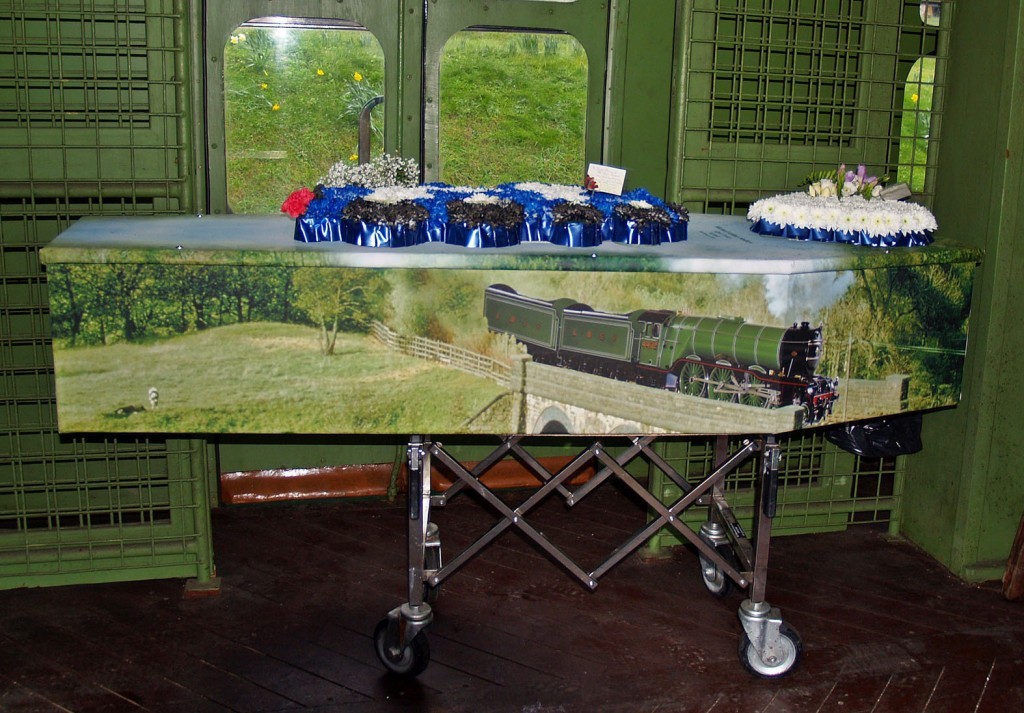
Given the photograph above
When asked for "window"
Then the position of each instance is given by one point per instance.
(293, 92)
(915, 126)
(512, 108)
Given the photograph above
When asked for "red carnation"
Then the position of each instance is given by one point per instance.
(296, 204)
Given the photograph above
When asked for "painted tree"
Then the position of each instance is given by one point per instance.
(341, 300)
(100, 303)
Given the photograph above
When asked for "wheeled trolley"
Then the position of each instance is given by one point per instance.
(728, 556)
(551, 339)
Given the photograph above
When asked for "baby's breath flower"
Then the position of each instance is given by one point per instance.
(382, 170)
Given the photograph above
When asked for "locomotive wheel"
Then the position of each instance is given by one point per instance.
(750, 396)
(693, 380)
(721, 377)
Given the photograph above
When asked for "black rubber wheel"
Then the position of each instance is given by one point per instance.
(792, 648)
(716, 581)
(413, 659)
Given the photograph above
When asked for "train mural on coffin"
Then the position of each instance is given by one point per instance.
(722, 358)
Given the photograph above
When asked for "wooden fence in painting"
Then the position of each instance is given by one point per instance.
(448, 354)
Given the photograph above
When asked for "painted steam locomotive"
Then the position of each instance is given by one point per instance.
(719, 358)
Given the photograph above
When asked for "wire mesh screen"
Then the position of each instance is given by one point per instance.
(776, 90)
(92, 106)
(821, 486)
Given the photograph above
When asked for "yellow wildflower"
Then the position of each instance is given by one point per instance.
(913, 98)
(357, 76)
(263, 85)
(319, 72)
(275, 107)
(354, 157)
(234, 39)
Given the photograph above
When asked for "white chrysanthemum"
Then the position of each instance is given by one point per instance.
(847, 214)
(395, 194)
(876, 223)
(643, 205)
(890, 224)
(846, 221)
(801, 216)
(482, 198)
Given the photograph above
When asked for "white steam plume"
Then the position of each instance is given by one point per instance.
(797, 298)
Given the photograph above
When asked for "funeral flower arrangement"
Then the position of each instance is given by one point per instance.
(402, 214)
(844, 206)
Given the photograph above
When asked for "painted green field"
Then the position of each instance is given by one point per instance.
(264, 378)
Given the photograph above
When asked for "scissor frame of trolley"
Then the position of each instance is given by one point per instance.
(718, 245)
(769, 646)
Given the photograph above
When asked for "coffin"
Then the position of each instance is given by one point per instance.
(225, 324)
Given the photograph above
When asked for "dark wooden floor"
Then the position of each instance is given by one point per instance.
(884, 627)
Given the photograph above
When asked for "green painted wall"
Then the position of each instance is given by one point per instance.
(965, 492)
(642, 69)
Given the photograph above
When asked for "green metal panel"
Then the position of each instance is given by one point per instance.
(771, 91)
(965, 494)
(643, 41)
(92, 105)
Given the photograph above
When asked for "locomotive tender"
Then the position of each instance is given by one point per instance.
(722, 358)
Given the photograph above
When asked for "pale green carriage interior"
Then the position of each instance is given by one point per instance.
(119, 108)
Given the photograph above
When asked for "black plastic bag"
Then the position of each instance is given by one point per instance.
(882, 438)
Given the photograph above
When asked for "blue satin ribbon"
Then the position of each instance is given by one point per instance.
(481, 236)
(576, 235)
(541, 229)
(852, 237)
(537, 229)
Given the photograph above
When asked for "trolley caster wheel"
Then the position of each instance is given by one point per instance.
(412, 660)
(716, 581)
(789, 655)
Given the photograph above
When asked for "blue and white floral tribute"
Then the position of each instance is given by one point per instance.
(475, 217)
